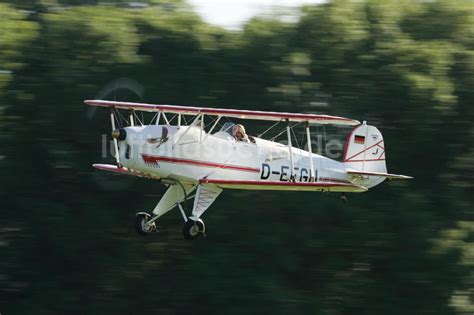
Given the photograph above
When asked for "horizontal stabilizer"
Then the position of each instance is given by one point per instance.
(122, 170)
(289, 186)
(389, 176)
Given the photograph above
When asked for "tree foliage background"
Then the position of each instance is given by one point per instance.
(66, 245)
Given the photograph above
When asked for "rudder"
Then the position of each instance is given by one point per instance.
(365, 149)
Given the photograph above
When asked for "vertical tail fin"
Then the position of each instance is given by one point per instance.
(365, 149)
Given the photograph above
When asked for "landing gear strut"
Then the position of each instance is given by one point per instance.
(176, 196)
(343, 198)
(192, 229)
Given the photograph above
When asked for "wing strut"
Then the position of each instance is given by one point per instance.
(117, 156)
(158, 118)
(202, 128)
(212, 128)
(166, 119)
(310, 155)
(186, 131)
(132, 121)
(288, 132)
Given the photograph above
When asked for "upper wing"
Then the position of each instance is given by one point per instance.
(278, 185)
(234, 113)
(389, 176)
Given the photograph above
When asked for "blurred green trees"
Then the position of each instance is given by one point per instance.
(67, 247)
(16, 36)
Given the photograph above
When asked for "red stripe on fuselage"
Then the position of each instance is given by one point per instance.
(165, 159)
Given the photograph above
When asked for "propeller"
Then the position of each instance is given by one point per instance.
(115, 136)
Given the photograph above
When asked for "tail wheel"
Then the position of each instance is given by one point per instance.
(192, 229)
(141, 224)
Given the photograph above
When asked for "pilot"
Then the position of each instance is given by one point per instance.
(239, 133)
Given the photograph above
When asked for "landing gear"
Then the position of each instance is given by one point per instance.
(343, 198)
(143, 226)
(192, 229)
(176, 196)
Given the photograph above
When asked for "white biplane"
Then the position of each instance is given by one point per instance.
(198, 163)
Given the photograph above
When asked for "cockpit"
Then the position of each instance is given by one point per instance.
(234, 131)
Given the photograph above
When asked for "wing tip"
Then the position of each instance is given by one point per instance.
(101, 103)
(402, 177)
(100, 166)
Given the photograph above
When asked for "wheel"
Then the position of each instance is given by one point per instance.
(193, 229)
(141, 225)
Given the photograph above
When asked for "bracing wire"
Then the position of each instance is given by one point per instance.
(138, 118)
(303, 138)
(153, 119)
(119, 117)
(172, 118)
(211, 123)
(296, 139)
(219, 124)
(268, 129)
(273, 138)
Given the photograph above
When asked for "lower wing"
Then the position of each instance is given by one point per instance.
(122, 170)
(289, 186)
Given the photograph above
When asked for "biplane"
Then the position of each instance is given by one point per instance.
(198, 161)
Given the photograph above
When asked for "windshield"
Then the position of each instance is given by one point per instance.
(228, 126)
